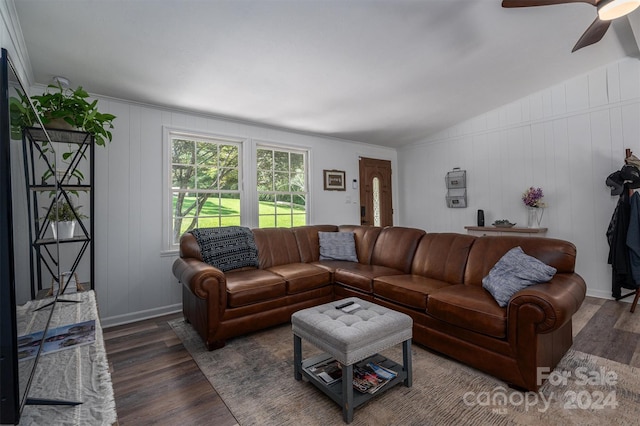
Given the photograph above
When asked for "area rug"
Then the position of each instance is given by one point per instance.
(253, 375)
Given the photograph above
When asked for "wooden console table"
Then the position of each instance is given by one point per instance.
(76, 374)
(481, 231)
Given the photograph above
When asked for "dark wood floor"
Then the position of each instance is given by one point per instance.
(156, 381)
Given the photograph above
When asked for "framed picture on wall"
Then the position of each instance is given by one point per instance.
(334, 180)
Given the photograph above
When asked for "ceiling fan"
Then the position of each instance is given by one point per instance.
(608, 10)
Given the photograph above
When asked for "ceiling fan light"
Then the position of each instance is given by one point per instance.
(612, 9)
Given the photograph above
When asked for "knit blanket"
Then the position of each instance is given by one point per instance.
(227, 248)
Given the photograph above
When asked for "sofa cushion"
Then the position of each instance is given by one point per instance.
(395, 247)
(366, 237)
(332, 266)
(337, 246)
(361, 276)
(486, 251)
(515, 271)
(469, 307)
(442, 256)
(302, 276)
(253, 286)
(409, 290)
(308, 240)
(276, 246)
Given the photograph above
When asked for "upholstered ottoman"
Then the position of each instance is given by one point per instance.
(350, 338)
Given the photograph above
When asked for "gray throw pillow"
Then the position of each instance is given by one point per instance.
(338, 246)
(513, 272)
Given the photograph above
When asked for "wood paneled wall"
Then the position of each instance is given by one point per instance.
(133, 275)
(566, 139)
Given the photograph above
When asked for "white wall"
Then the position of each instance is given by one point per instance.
(12, 40)
(566, 139)
(133, 279)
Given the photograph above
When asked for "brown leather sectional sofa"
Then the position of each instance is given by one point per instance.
(436, 278)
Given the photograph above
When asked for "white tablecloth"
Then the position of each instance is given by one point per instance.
(76, 374)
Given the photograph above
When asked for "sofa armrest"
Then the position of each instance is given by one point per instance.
(205, 281)
(547, 306)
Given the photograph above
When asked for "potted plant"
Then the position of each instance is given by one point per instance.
(532, 198)
(61, 107)
(62, 218)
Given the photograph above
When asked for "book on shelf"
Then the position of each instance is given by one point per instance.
(57, 339)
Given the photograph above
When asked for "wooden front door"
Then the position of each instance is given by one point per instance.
(375, 192)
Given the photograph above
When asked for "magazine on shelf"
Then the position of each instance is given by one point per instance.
(385, 373)
(57, 339)
(330, 371)
(370, 377)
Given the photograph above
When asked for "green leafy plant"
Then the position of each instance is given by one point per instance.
(59, 103)
(62, 211)
(22, 115)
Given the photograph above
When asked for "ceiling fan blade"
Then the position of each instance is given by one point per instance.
(594, 34)
(529, 3)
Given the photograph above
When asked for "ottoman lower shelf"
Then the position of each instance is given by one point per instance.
(351, 338)
(334, 390)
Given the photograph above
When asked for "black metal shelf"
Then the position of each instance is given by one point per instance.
(64, 187)
(50, 241)
(60, 136)
(41, 150)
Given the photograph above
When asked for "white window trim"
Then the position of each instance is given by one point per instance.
(169, 248)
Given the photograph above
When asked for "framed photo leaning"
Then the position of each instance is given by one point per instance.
(334, 180)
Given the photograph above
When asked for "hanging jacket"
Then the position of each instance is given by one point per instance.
(633, 239)
(618, 250)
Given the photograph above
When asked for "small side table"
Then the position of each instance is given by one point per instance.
(350, 338)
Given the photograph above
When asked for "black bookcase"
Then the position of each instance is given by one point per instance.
(66, 177)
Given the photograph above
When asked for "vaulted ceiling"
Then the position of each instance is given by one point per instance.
(387, 72)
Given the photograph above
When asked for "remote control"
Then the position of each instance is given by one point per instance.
(344, 305)
(351, 308)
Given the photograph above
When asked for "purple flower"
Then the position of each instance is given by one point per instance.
(532, 197)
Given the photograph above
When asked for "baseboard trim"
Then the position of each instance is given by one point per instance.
(607, 295)
(140, 315)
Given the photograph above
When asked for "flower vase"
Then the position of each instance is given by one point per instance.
(534, 217)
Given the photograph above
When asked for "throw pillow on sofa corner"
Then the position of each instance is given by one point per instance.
(515, 271)
(338, 246)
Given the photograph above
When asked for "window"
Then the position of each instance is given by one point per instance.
(376, 201)
(282, 187)
(205, 182)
